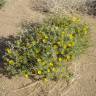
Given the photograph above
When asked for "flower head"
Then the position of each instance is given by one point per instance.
(11, 62)
(51, 64)
(39, 72)
(8, 50)
(60, 59)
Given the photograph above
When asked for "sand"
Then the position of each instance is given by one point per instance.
(11, 16)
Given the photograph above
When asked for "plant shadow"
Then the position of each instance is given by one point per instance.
(3, 46)
(91, 7)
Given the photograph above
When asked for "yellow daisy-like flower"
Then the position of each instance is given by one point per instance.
(46, 37)
(39, 72)
(56, 28)
(44, 41)
(39, 60)
(54, 69)
(76, 20)
(85, 29)
(8, 50)
(26, 75)
(69, 45)
(63, 33)
(60, 59)
(48, 70)
(73, 44)
(51, 64)
(58, 43)
(34, 42)
(43, 63)
(45, 79)
(11, 62)
(71, 36)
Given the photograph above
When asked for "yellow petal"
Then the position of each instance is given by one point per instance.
(26, 75)
(8, 51)
(51, 64)
(39, 72)
(60, 59)
(48, 70)
(11, 62)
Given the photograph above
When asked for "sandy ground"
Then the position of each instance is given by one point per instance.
(11, 16)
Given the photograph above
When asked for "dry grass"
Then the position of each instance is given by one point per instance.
(57, 5)
(65, 6)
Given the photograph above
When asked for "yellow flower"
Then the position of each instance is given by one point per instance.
(56, 28)
(58, 43)
(39, 60)
(8, 51)
(54, 69)
(26, 75)
(71, 36)
(63, 33)
(73, 44)
(48, 70)
(60, 59)
(85, 29)
(45, 79)
(77, 20)
(69, 45)
(46, 37)
(34, 42)
(74, 19)
(11, 62)
(51, 64)
(39, 72)
(44, 41)
(43, 63)
(55, 46)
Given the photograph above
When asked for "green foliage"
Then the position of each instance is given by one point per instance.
(44, 50)
(2, 3)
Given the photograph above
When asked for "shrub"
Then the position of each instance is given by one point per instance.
(2, 3)
(44, 50)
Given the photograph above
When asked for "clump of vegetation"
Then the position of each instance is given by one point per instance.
(2, 3)
(44, 50)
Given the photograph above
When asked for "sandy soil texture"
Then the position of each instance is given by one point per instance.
(11, 16)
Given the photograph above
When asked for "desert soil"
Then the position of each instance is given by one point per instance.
(11, 16)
